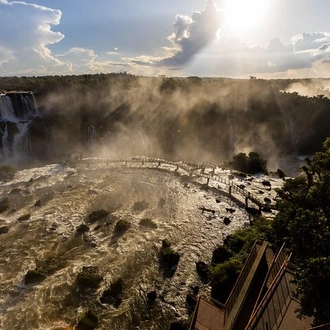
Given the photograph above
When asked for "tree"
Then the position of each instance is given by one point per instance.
(253, 163)
(303, 222)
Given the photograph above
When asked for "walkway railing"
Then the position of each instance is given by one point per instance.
(188, 167)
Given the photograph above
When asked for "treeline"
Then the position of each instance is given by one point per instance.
(179, 118)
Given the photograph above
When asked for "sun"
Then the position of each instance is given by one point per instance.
(244, 15)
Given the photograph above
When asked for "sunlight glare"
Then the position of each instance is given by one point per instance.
(242, 15)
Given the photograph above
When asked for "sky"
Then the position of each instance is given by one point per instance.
(206, 38)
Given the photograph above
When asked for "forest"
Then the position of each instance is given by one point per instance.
(196, 119)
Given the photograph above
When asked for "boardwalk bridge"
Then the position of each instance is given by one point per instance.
(204, 174)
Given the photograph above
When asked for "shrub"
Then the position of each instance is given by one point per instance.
(252, 164)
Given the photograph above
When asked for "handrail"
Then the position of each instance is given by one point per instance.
(188, 167)
(269, 293)
(240, 281)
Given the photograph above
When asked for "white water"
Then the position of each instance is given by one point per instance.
(67, 197)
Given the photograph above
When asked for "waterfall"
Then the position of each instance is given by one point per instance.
(293, 132)
(232, 134)
(7, 112)
(5, 143)
(90, 136)
(17, 111)
(21, 143)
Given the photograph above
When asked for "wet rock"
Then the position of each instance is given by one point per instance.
(89, 277)
(6, 173)
(266, 183)
(38, 203)
(221, 254)
(97, 215)
(169, 259)
(24, 217)
(81, 229)
(4, 230)
(267, 200)
(140, 206)
(89, 321)
(253, 211)
(151, 297)
(179, 325)
(113, 295)
(161, 203)
(226, 221)
(147, 223)
(34, 276)
(203, 271)
(121, 226)
(16, 191)
(191, 303)
(4, 204)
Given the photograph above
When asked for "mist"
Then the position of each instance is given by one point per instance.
(192, 119)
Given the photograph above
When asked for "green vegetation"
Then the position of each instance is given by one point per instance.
(303, 223)
(233, 255)
(252, 164)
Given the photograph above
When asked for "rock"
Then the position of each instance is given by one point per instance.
(231, 177)
(178, 325)
(89, 321)
(161, 203)
(253, 211)
(195, 290)
(4, 204)
(34, 276)
(266, 183)
(113, 295)
(24, 217)
(203, 271)
(97, 215)
(169, 259)
(6, 173)
(140, 206)
(4, 230)
(81, 229)
(267, 200)
(226, 221)
(121, 226)
(38, 203)
(147, 223)
(89, 277)
(166, 243)
(191, 303)
(151, 297)
(221, 254)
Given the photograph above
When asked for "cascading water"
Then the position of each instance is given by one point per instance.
(90, 137)
(17, 111)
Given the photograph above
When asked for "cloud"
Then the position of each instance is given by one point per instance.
(191, 35)
(27, 35)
